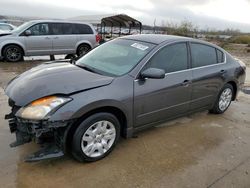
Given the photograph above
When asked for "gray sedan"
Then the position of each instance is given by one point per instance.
(118, 89)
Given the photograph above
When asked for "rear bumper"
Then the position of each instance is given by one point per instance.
(51, 136)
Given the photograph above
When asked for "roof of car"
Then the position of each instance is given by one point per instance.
(157, 38)
(58, 21)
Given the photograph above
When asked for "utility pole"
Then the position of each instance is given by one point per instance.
(154, 25)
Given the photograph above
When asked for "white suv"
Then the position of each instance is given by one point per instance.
(48, 38)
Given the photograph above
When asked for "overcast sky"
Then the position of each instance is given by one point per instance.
(216, 14)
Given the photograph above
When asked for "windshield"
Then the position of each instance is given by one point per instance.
(116, 57)
(5, 27)
(21, 27)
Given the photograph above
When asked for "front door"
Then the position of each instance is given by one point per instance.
(40, 41)
(161, 99)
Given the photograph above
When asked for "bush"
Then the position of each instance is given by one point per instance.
(243, 39)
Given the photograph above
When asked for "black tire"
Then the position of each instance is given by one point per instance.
(77, 150)
(216, 108)
(13, 53)
(70, 56)
(83, 49)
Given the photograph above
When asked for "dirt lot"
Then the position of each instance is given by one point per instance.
(201, 150)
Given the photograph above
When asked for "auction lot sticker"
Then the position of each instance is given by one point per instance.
(139, 46)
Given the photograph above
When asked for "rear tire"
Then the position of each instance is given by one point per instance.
(223, 100)
(83, 49)
(95, 137)
(70, 56)
(13, 53)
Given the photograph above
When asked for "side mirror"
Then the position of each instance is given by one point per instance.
(153, 73)
(27, 33)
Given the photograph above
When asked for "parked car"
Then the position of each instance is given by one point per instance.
(48, 38)
(6, 28)
(118, 89)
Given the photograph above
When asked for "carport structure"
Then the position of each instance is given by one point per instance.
(120, 21)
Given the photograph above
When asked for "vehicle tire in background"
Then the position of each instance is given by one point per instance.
(13, 53)
(83, 49)
(223, 100)
(70, 56)
(95, 137)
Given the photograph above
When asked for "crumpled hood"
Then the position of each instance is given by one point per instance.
(50, 79)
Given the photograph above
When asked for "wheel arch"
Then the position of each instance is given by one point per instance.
(13, 43)
(234, 85)
(120, 115)
(83, 42)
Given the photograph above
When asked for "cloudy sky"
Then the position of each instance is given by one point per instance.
(215, 14)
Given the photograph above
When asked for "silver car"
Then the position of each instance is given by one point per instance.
(48, 37)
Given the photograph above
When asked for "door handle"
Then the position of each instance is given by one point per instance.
(56, 37)
(47, 38)
(186, 83)
(223, 71)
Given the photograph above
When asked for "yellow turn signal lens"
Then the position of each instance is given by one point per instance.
(45, 101)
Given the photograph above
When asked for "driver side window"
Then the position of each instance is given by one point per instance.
(39, 29)
(171, 58)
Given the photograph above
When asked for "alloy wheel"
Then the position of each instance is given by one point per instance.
(13, 54)
(225, 99)
(98, 138)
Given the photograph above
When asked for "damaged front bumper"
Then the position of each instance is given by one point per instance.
(50, 135)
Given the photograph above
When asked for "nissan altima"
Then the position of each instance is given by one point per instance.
(118, 89)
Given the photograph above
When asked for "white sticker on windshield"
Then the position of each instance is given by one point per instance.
(139, 46)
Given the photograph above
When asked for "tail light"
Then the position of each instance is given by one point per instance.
(242, 64)
(98, 38)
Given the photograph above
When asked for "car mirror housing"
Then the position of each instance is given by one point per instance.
(153, 73)
(27, 33)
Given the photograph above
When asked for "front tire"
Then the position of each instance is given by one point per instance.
(223, 100)
(13, 53)
(95, 137)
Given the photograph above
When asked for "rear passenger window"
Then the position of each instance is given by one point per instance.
(56, 28)
(67, 29)
(61, 28)
(82, 29)
(220, 56)
(203, 55)
(171, 58)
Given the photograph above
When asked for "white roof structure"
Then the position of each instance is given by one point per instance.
(93, 19)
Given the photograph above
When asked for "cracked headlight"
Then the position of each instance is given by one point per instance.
(40, 108)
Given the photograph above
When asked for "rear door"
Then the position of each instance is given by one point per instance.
(208, 74)
(39, 42)
(63, 38)
(160, 99)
